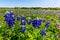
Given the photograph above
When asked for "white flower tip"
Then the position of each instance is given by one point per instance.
(11, 11)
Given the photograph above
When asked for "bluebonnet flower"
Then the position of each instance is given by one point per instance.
(34, 23)
(47, 24)
(18, 18)
(9, 19)
(43, 32)
(23, 20)
(39, 23)
(23, 29)
(29, 21)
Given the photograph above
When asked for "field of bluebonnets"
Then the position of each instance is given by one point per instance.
(30, 25)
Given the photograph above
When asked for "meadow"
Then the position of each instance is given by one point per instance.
(31, 33)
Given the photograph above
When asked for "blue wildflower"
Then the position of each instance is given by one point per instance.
(47, 24)
(9, 19)
(23, 29)
(43, 32)
(18, 18)
(29, 21)
(23, 20)
(34, 23)
(39, 23)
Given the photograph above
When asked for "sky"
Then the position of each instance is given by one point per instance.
(29, 3)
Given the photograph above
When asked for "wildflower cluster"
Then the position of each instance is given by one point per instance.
(36, 22)
(9, 18)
